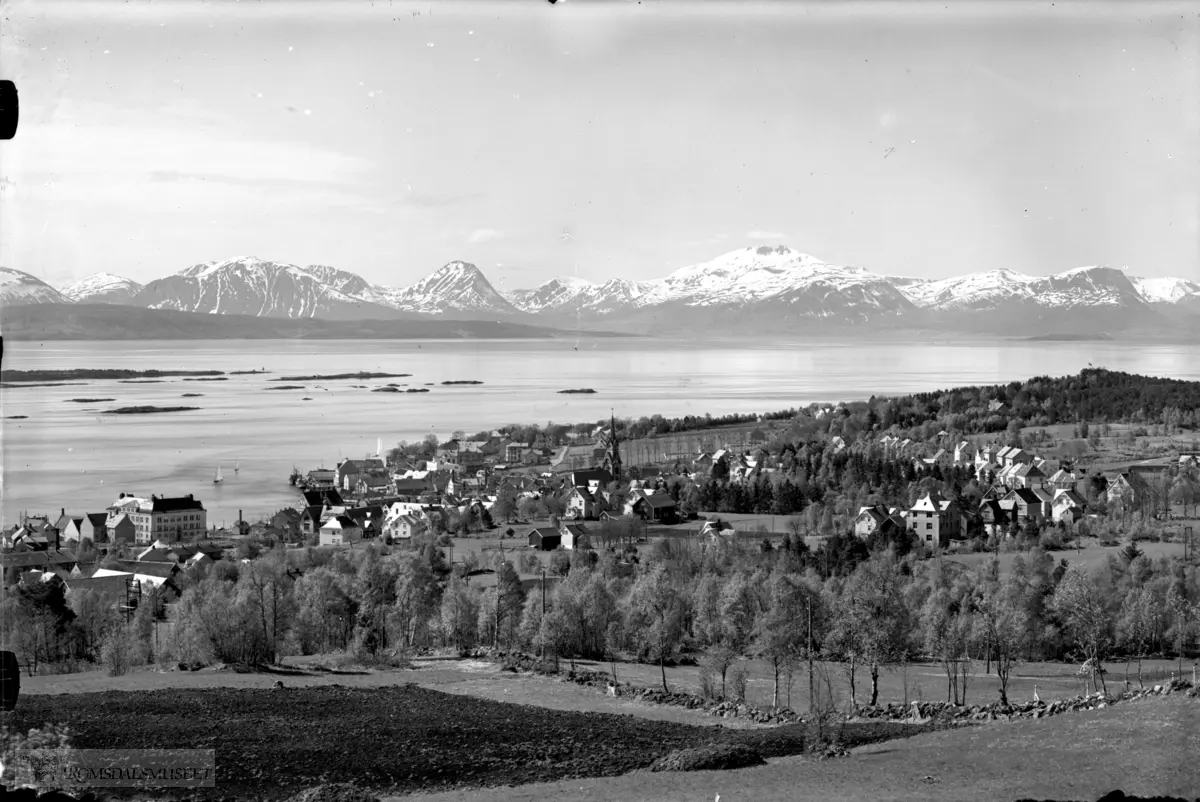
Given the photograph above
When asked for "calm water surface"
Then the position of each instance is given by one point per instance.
(70, 455)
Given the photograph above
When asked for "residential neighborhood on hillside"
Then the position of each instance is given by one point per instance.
(963, 493)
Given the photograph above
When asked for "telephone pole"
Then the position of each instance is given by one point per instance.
(808, 648)
(542, 623)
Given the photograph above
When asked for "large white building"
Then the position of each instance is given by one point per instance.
(172, 520)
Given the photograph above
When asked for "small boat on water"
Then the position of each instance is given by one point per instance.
(235, 466)
(218, 478)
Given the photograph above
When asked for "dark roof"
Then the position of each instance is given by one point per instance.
(545, 531)
(32, 559)
(583, 492)
(409, 486)
(179, 504)
(1027, 495)
(98, 519)
(104, 585)
(582, 478)
(346, 522)
(360, 514)
(659, 500)
(313, 512)
(1158, 468)
(317, 498)
(160, 570)
(874, 512)
(999, 514)
(155, 556)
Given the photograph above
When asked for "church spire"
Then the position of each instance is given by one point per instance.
(613, 457)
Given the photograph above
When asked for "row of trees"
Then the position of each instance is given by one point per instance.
(786, 606)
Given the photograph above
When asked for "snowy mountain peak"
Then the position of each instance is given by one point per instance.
(458, 287)
(236, 263)
(568, 294)
(18, 288)
(1079, 287)
(1167, 290)
(102, 288)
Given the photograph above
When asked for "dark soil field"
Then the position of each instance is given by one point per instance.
(272, 743)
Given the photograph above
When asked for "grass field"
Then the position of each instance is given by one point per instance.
(485, 680)
(1146, 748)
(1090, 555)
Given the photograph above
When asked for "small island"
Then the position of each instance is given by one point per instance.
(51, 384)
(140, 381)
(463, 382)
(417, 390)
(391, 388)
(585, 391)
(247, 372)
(306, 398)
(146, 410)
(191, 395)
(287, 387)
(87, 400)
(360, 375)
(1066, 338)
(15, 417)
(89, 373)
(209, 379)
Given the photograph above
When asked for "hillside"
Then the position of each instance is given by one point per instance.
(110, 322)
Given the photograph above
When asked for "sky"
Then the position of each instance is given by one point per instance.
(600, 138)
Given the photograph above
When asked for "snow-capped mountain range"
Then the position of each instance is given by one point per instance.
(767, 286)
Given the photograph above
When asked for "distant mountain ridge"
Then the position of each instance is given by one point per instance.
(102, 288)
(750, 289)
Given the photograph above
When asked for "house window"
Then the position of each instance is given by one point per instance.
(928, 526)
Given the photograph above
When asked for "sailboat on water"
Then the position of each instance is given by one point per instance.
(218, 478)
(379, 447)
(235, 466)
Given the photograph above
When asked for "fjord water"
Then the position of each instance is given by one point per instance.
(69, 455)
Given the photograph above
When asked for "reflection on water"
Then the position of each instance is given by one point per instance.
(69, 455)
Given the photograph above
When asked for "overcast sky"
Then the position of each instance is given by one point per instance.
(600, 139)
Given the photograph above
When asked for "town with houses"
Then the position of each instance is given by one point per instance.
(471, 486)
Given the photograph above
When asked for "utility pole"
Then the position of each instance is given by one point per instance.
(808, 648)
(542, 623)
